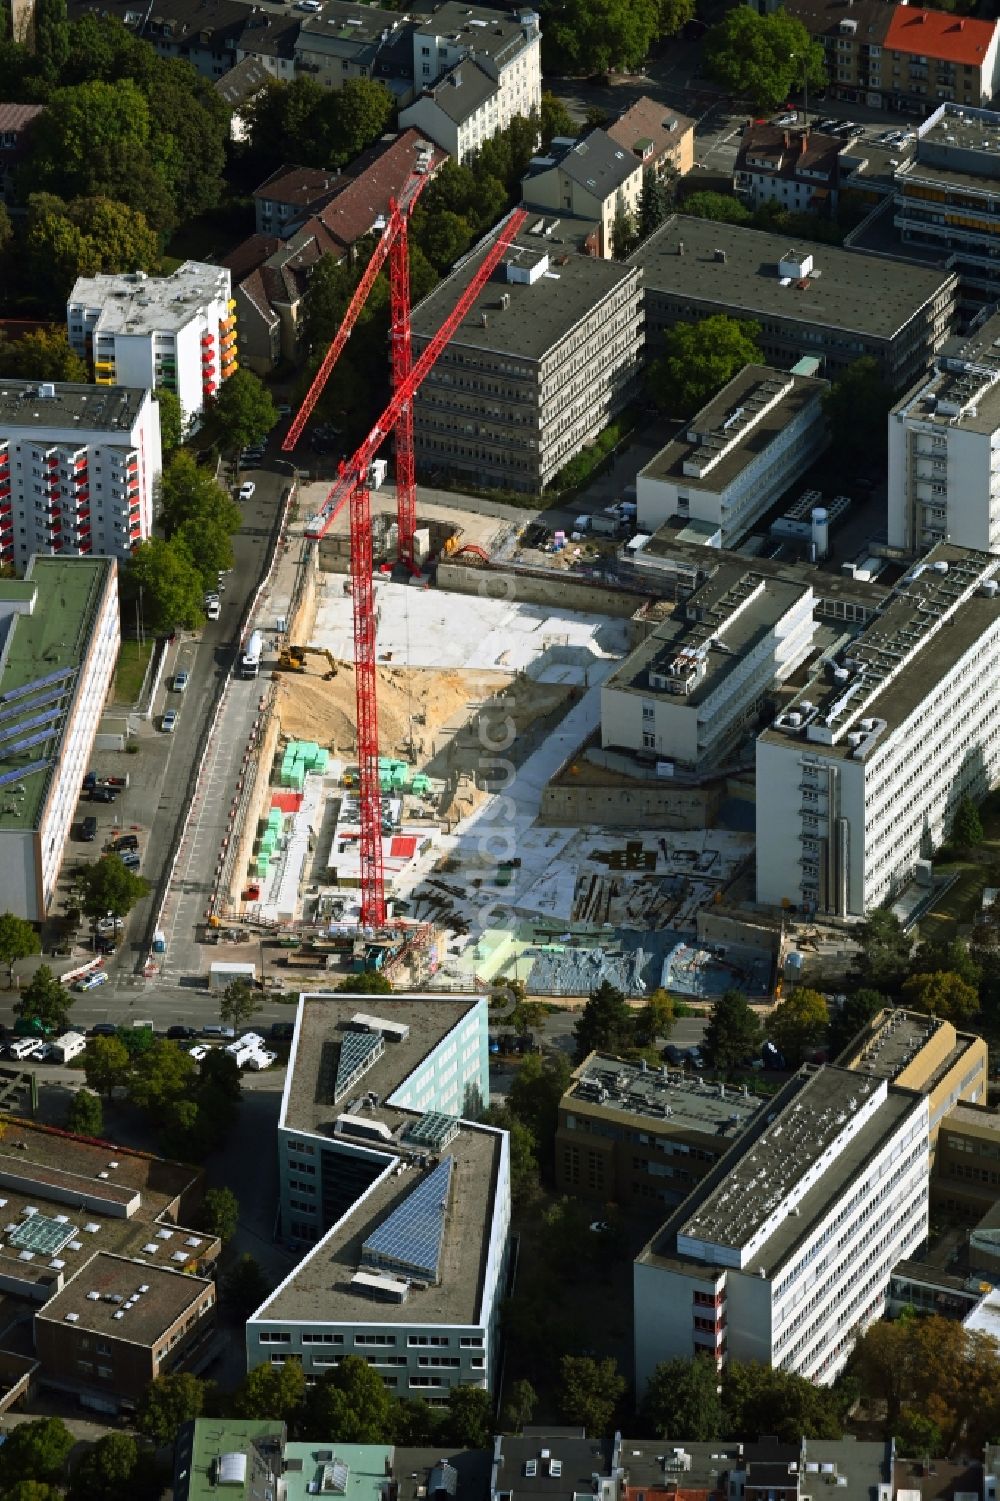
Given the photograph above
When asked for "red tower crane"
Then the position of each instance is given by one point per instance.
(353, 484)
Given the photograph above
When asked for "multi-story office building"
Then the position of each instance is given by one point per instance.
(59, 642)
(176, 331)
(78, 469)
(947, 196)
(783, 1253)
(694, 689)
(796, 168)
(832, 303)
(944, 450)
(859, 777)
(641, 1137)
(593, 179)
(404, 1205)
(549, 352)
(738, 455)
(477, 68)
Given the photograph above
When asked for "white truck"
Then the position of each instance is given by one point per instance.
(250, 661)
(70, 1045)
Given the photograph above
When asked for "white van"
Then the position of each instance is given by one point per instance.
(25, 1047)
(70, 1045)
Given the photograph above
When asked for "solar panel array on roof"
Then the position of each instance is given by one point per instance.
(32, 724)
(409, 1241)
(23, 771)
(50, 696)
(23, 745)
(358, 1051)
(36, 683)
(433, 1130)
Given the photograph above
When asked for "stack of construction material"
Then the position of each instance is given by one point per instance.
(301, 757)
(394, 776)
(270, 841)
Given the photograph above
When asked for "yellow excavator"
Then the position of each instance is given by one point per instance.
(293, 659)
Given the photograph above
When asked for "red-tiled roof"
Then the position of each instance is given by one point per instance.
(648, 120)
(933, 33)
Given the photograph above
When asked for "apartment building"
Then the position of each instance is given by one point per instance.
(16, 121)
(830, 303)
(966, 1181)
(946, 196)
(548, 354)
(177, 331)
(593, 179)
(754, 1471)
(59, 642)
(693, 690)
(476, 69)
(404, 1206)
(79, 467)
(944, 450)
(853, 41)
(929, 56)
(738, 455)
(660, 138)
(641, 1137)
(783, 1253)
(343, 41)
(798, 169)
(860, 775)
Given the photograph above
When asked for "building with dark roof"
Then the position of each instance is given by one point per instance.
(16, 121)
(798, 169)
(344, 40)
(552, 1464)
(290, 195)
(593, 179)
(547, 355)
(758, 1471)
(238, 89)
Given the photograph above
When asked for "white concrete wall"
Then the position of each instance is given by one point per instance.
(957, 499)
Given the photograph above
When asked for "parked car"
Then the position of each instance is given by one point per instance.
(24, 1047)
(248, 487)
(215, 1030)
(104, 1029)
(130, 859)
(199, 1051)
(181, 1033)
(103, 794)
(110, 924)
(123, 842)
(91, 982)
(213, 610)
(169, 722)
(787, 119)
(181, 680)
(105, 943)
(88, 829)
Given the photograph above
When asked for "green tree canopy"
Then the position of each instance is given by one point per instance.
(535, 1091)
(170, 585)
(167, 1403)
(857, 410)
(79, 126)
(470, 1417)
(655, 202)
(107, 1471)
(272, 1392)
(190, 492)
(238, 1004)
(171, 420)
(300, 121)
(52, 38)
(18, 940)
(45, 1000)
(244, 1286)
(605, 1023)
(369, 982)
(798, 1023)
(967, 826)
(35, 1451)
(598, 35)
(733, 1034)
(42, 355)
(590, 1391)
(349, 1404)
(763, 57)
(522, 1399)
(854, 1013)
(555, 119)
(757, 1399)
(220, 1213)
(243, 411)
(85, 1114)
(160, 1076)
(941, 994)
(884, 950)
(683, 1397)
(109, 886)
(698, 359)
(106, 1064)
(722, 207)
(655, 1021)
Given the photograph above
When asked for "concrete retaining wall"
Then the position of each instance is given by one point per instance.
(558, 592)
(715, 926)
(628, 808)
(255, 807)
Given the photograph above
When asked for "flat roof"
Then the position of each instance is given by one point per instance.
(134, 303)
(869, 295)
(537, 317)
(968, 1118)
(496, 33)
(655, 1463)
(309, 1103)
(606, 1088)
(891, 1041)
(33, 404)
(320, 1288)
(734, 429)
(889, 669)
(579, 1460)
(201, 1445)
(347, 22)
(361, 1478)
(39, 675)
(167, 1297)
(963, 390)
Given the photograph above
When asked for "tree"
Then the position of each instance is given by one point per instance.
(622, 234)
(369, 982)
(698, 359)
(160, 1077)
(42, 355)
(967, 826)
(683, 1397)
(243, 411)
(674, 15)
(470, 1417)
(855, 1012)
(45, 1001)
(272, 1392)
(85, 1115)
(884, 950)
(590, 1390)
(349, 1404)
(733, 1034)
(524, 1174)
(170, 586)
(106, 1065)
(763, 57)
(555, 119)
(798, 1023)
(32, 1490)
(220, 1213)
(655, 1021)
(35, 1451)
(18, 940)
(722, 207)
(171, 420)
(109, 887)
(857, 409)
(208, 546)
(191, 495)
(521, 1403)
(605, 1024)
(594, 36)
(244, 1287)
(534, 1096)
(941, 994)
(239, 1004)
(52, 38)
(80, 131)
(357, 115)
(167, 1403)
(757, 1399)
(655, 202)
(106, 1471)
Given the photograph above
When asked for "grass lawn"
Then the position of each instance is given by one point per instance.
(133, 659)
(960, 905)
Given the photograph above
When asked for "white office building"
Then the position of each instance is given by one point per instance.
(859, 777)
(944, 451)
(402, 1205)
(783, 1253)
(176, 331)
(694, 688)
(736, 457)
(78, 469)
(59, 640)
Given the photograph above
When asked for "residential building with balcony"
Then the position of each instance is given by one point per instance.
(402, 1205)
(345, 41)
(944, 450)
(798, 169)
(852, 38)
(859, 777)
(177, 331)
(661, 139)
(930, 56)
(78, 469)
(834, 304)
(693, 690)
(784, 1252)
(547, 355)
